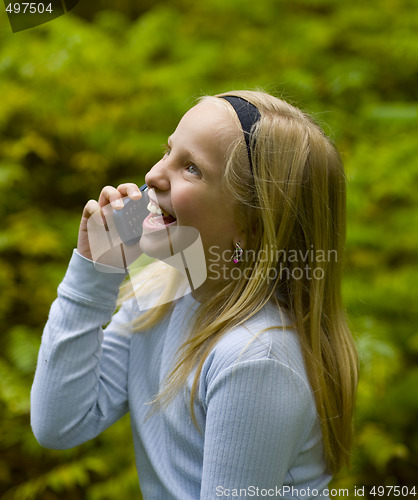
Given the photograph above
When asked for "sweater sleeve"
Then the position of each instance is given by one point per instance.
(257, 412)
(80, 384)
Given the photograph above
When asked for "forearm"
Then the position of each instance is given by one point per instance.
(68, 402)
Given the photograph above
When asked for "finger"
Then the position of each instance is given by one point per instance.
(90, 207)
(110, 194)
(130, 189)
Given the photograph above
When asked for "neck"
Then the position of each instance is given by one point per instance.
(209, 288)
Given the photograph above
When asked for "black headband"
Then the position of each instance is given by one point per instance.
(248, 115)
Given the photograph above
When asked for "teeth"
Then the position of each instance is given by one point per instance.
(156, 221)
(155, 210)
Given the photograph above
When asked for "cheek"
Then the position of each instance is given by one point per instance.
(215, 220)
(186, 206)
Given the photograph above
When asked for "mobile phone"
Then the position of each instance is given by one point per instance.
(128, 220)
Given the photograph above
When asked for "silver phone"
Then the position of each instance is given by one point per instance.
(128, 220)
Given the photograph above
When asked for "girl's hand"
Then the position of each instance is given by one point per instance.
(93, 236)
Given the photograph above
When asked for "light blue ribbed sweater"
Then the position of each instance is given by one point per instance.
(254, 404)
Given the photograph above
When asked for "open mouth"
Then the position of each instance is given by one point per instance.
(158, 217)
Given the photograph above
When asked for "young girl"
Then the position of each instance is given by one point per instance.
(246, 386)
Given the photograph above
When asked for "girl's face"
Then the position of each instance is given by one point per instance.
(187, 181)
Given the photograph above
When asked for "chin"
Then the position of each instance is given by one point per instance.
(169, 240)
(180, 247)
(156, 243)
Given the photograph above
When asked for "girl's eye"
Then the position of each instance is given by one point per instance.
(193, 170)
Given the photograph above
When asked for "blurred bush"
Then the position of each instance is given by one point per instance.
(90, 98)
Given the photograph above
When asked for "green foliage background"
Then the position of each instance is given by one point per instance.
(88, 100)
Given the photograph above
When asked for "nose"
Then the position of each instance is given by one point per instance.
(157, 178)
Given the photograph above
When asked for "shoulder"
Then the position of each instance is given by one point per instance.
(268, 334)
(266, 348)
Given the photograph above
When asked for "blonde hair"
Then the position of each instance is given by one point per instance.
(293, 202)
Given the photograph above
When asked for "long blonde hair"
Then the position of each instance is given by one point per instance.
(294, 202)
